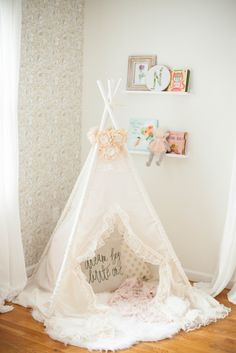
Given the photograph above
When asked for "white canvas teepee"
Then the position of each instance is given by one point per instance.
(108, 232)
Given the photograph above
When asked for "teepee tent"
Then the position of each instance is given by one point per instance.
(109, 276)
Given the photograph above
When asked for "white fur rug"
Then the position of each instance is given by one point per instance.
(124, 323)
(114, 330)
(107, 331)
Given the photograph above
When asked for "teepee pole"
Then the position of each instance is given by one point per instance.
(110, 95)
(107, 104)
(105, 99)
(109, 91)
(73, 231)
(117, 86)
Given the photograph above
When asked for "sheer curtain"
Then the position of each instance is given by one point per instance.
(227, 257)
(12, 266)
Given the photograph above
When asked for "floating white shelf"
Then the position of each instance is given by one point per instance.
(177, 155)
(157, 92)
(172, 155)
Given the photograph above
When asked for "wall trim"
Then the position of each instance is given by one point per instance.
(197, 276)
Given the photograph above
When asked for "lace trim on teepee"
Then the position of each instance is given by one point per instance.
(139, 248)
(116, 216)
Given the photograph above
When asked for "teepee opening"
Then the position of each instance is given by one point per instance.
(115, 261)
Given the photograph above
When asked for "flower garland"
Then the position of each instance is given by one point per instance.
(110, 142)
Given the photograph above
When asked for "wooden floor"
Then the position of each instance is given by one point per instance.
(20, 333)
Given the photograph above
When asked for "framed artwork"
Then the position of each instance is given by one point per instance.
(140, 133)
(138, 67)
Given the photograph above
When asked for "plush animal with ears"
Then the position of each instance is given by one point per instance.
(158, 147)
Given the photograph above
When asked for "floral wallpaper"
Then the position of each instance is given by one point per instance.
(49, 115)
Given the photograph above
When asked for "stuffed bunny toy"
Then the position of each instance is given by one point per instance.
(158, 147)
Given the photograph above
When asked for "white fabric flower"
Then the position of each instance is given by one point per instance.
(110, 152)
(110, 141)
(119, 137)
(103, 138)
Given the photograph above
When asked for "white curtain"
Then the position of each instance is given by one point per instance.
(12, 266)
(227, 257)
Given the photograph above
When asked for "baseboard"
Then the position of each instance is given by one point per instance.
(197, 276)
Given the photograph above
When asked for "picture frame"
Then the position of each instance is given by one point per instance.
(138, 67)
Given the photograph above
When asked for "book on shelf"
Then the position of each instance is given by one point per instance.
(179, 80)
(177, 141)
(140, 133)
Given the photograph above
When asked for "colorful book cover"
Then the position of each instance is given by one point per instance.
(140, 133)
(177, 142)
(179, 81)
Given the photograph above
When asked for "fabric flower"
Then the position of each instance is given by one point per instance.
(103, 138)
(110, 141)
(110, 152)
(119, 137)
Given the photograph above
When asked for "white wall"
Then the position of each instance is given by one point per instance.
(189, 195)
